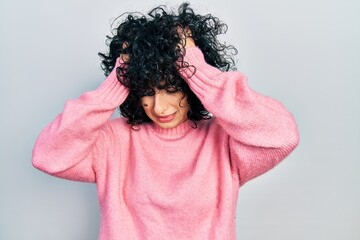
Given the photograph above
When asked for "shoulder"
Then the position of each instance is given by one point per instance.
(119, 122)
(117, 126)
(211, 126)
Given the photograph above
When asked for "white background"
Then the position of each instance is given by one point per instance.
(304, 53)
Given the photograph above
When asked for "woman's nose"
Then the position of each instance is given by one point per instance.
(160, 103)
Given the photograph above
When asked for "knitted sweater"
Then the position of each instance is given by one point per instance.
(177, 183)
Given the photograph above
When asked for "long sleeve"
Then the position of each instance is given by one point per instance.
(261, 131)
(68, 146)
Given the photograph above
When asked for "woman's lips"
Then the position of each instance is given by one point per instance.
(167, 118)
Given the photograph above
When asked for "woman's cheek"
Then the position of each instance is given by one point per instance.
(145, 102)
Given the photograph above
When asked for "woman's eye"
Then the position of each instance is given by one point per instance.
(171, 90)
(149, 93)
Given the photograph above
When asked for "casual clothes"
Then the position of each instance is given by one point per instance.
(177, 183)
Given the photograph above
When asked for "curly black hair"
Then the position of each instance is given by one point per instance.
(156, 50)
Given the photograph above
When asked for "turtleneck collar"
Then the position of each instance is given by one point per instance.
(172, 133)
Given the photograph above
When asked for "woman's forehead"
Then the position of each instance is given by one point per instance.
(165, 83)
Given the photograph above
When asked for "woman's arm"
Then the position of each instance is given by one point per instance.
(67, 147)
(262, 132)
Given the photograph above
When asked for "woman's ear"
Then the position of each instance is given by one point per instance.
(182, 100)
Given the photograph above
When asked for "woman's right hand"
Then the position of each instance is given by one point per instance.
(124, 57)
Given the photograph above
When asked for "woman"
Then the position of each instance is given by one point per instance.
(191, 134)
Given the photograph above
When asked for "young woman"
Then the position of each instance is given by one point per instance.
(191, 134)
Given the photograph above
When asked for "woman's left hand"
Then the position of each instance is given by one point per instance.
(187, 41)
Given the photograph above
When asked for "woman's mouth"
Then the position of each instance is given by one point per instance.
(167, 118)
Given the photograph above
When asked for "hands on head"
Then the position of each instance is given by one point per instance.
(186, 37)
(124, 57)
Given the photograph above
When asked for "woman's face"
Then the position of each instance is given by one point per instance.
(166, 108)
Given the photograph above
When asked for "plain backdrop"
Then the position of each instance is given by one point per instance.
(304, 53)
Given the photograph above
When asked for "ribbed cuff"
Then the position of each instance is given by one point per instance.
(110, 91)
(203, 75)
(194, 56)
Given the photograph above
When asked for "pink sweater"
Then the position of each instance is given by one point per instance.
(179, 183)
